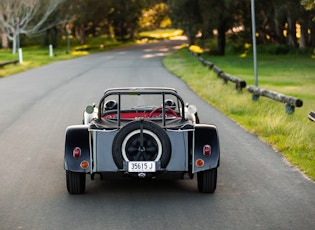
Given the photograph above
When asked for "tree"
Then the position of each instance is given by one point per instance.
(5, 42)
(24, 17)
(278, 20)
(84, 16)
(205, 16)
(308, 22)
(221, 16)
(4, 38)
(155, 17)
(124, 17)
(187, 16)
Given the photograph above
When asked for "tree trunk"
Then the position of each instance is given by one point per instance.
(51, 37)
(291, 35)
(303, 39)
(312, 36)
(14, 44)
(5, 41)
(221, 38)
(190, 36)
(80, 34)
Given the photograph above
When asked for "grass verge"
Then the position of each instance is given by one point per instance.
(37, 56)
(291, 135)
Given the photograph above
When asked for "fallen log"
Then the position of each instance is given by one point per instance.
(2, 64)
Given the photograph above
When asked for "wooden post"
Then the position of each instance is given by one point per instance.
(290, 102)
(239, 83)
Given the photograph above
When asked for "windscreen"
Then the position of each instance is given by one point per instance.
(140, 102)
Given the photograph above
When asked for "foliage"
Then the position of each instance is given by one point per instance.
(278, 22)
(308, 4)
(24, 17)
(291, 135)
(155, 17)
(124, 17)
(186, 15)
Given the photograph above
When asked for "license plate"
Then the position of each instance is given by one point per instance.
(141, 166)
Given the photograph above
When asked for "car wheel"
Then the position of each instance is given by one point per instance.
(75, 182)
(141, 141)
(207, 180)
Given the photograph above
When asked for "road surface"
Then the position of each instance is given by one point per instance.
(257, 188)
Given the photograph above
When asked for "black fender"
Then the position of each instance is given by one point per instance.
(206, 135)
(77, 136)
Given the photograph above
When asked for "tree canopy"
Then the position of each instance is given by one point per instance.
(279, 22)
(24, 17)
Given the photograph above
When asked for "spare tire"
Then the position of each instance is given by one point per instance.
(141, 141)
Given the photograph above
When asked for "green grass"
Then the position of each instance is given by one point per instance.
(32, 58)
(291, 135)
(37, 56)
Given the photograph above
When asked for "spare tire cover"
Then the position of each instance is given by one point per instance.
(141, 141)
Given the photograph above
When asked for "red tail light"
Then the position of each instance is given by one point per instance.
(76, 152)
(207, 150)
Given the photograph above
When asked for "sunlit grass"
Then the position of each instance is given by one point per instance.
(37, 56)
(32, 58)
(291, 135)
(161, 34)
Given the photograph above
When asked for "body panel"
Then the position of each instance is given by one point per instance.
(206, 135)
(77, 136)
(143, 133)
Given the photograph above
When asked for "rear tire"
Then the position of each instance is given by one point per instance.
(207, 180)
(75, 182)
(141, 141)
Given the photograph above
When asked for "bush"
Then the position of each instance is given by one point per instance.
(273, 49)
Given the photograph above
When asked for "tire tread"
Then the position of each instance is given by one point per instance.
(75, 182)
(207, 181)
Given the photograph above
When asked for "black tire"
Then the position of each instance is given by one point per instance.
(207, 180)
(75, 182)
(141, 141)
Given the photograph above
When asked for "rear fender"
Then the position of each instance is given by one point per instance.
(77, 136)
(206, 135)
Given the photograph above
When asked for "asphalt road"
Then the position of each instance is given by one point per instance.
(257, 188)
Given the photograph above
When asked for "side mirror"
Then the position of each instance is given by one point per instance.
(192, 109)
(90, 109)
